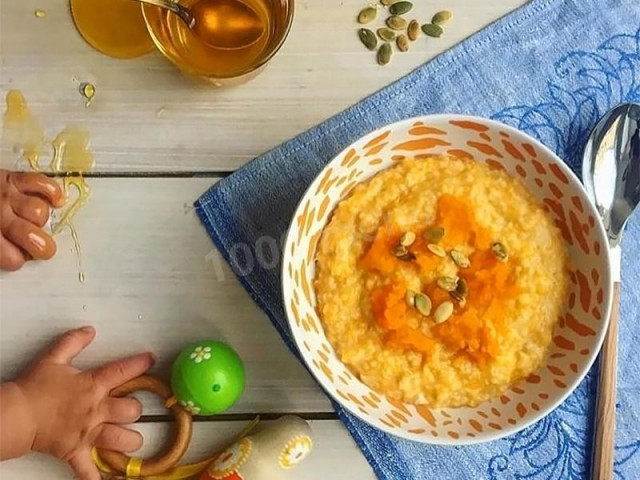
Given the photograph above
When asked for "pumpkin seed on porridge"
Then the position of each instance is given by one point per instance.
(439, 281)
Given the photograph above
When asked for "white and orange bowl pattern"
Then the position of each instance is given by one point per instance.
(581, 327)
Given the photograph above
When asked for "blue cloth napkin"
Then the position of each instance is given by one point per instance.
(551, 69)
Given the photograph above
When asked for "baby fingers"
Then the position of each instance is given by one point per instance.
(122, 410)
(32, 209)
(38, 184)
(30, 238)
(118, 439)
(82, 464)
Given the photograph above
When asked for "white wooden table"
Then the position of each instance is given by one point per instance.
(153, 278)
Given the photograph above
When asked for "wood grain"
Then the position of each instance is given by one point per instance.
(605, 428)
(334, 454)
(153, 282)
(147, 117)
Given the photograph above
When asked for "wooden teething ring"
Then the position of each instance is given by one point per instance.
(162, 462)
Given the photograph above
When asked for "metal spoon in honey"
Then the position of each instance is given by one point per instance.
(224, 24)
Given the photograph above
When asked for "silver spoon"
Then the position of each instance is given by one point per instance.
(226, 24)
(611, 175)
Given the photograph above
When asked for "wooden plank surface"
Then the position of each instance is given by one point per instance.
(153, 281)
(321, 70)
(333, 447)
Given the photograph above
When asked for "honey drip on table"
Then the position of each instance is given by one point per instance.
(71, 158)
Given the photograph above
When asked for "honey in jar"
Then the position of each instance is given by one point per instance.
(192, 55)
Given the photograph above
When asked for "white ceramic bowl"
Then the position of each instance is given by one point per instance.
(576, 339)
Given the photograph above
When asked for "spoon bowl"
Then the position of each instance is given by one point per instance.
(223, 24)
(611, 175)
(611, 167)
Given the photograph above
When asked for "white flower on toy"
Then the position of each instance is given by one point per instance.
(200, 354)
(228, 462)
(190, 407)
(295, 451)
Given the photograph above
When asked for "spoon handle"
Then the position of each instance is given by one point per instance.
(179, 10)
(604, 441)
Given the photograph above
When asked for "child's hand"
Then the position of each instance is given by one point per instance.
(72, 410)
(25, 199)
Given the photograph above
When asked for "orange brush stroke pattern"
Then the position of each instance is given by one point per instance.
(460, 153)
(484, 148)
(424, 130)
(512, 150)
(468, 125)
(378, 139)
(422, 144)
(580, 328)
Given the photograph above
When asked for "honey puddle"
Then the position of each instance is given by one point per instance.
(71, 158)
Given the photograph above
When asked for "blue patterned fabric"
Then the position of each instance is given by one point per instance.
(551, 69)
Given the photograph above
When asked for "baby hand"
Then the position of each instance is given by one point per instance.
(25, 199)
(72, 410)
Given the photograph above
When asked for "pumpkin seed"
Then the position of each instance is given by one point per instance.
(463, 287)
(368, 38)
(387, 3)
(460, 259)
(367, 15)
(437, 250)
(423, 304)
(461, 299)
(386, 34)
(384, 54)
(396, 23)
(434, 234)
(410, 298)
(442, 17)
(400, 8)
(432, 29)
(403, 43)
(407, 239)
(500, 251)
(401, 252)
(448, 284)
(413, 30)
(443, 312)
(39, 13)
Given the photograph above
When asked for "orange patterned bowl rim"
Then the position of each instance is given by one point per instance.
(576, 339)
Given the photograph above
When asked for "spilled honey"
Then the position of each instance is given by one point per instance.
(71, 158)
(113, 27)
(22, 129)
(191, 54)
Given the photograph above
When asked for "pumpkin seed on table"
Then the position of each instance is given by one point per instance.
(413, 30)
(434, 234)
(403, 43)
(368, 38)
(400, 8)
(437, 250)
(460, 259)
(386, 34)
(448, 284)
(396, 23)
(388, 3)
(384, 54)
(441, 17)
(423, 304)
(432, 30)
(500, 251)
(367, 15)
(443, 312)
(407, 239)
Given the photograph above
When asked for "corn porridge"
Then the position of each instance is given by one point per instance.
(439, 281)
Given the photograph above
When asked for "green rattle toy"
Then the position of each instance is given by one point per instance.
(207, 378)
